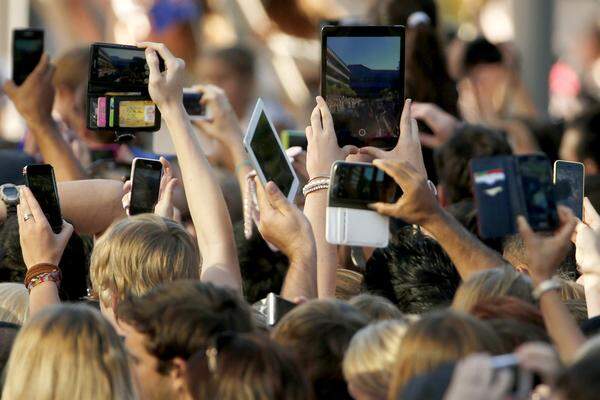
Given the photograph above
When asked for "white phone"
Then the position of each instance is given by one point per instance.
(349, 220)
(267, 154)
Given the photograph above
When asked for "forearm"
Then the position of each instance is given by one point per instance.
(240, 165)
(301, 277)
(315, 209)
(206, 203)
(591, 284)
(467, 252)
(41, 296)
(91, 205)
(561, 326)
(57, 152)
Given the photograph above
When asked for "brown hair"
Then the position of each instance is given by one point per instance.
(376, 308)
(494, 282)
(136, 254)
(178, 318)
(245, 367)
(440, 337)
(319, 332)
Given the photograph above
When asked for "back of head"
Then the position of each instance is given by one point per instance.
(14, 303)
(179, 318)
(72, 68)
(73, 263)
(240, 59)
(138, 253)
(490, 283)
(478, 52)
(413, 272)
(371, 357)
(319, 332)
(376, 308)
(453, 157)
(68, 351)
(580, 380)
(245, 367)
(437, 338)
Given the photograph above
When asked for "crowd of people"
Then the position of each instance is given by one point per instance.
(162, 305)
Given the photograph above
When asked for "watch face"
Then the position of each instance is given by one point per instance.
(9, 193)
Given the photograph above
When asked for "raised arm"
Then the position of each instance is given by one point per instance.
(34, 100)
(587, 254)
(205, 199)
(544, 257)
(321, 153)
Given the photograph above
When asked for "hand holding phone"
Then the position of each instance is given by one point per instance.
(192, 105)
(28, 47)
(569, 181)
(145, 185)
(39, 178)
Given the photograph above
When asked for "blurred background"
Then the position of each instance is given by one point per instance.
(272, 47)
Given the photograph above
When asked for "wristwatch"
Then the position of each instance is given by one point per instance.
(9, 194)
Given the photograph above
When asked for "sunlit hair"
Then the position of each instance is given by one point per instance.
(376, 308)
(137, 254)
(371, 356)
(437, 338)
(14, 303)
(68, 352)
(494, 282)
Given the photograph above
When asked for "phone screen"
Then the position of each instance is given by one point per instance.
(191, 103)
(270, 156)
(358, 185)
(568, 181)
(28, 47)
(145, 186)
(363, 85)
(536, 180)
(119, 65)
(40, 180)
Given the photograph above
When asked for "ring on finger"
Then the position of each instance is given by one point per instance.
(27, 217)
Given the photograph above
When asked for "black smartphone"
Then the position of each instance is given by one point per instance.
(356, 185)
(276, 308)
(145, 185)
(28, 47)
(362, 81)
(118, 65)
(538, 192)
(39, 178)
(191, 103)
(569, 181)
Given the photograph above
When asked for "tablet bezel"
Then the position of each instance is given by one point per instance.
(364, 31)
(250, 132)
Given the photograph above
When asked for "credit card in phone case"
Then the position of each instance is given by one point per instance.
(136, 113)
(111, 115)
(101, 111)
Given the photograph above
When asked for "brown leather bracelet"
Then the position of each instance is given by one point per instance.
(38, 269)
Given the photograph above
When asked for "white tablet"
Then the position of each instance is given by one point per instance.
(267, 155)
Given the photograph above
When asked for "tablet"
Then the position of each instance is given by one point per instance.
(362, 80)
(267, 155)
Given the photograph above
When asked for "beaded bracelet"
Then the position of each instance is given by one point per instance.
(54, 276)
(315, 184)
(38, 269)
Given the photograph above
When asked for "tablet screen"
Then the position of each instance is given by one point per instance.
(364, 88)
(270, 156)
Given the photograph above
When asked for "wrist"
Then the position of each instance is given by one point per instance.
(42, 123)
(172, 110)
(436, 217)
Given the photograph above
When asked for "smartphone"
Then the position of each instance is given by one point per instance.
(356, 185)
(28, 47)
(538, 192)
(191, 103)
(277, 307)
(120, 66)
(145, 185)
(569, 181)
(523, 380)
(39, 178)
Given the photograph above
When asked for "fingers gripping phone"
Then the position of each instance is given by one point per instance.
(349, 220)
(145, 185)
(28, 47)
(569, 182)
(191, 103)
(39, 178)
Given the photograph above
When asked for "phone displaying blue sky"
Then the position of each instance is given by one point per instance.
(377, 53)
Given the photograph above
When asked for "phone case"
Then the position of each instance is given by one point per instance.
(354, 227)
(103, 114)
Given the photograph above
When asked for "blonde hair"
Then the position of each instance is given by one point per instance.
(14, 303)
(371, 356)
(137, 254)
(489, 283)
(68, 352)
(376, 308)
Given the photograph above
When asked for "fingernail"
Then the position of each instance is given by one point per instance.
(271, 187)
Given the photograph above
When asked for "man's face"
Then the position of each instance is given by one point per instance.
(568, 146)
(150, 384)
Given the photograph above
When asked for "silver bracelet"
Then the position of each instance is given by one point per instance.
(546, 286)
(314, 185)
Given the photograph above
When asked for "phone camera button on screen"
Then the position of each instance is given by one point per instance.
(362, 132)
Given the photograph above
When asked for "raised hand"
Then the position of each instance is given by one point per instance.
(439, 121)
(39, 244)
(222, 124)
(323, 149)
(587, 242)
(408, 148)
(165, 207)
(166, 87)
(475, 379)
